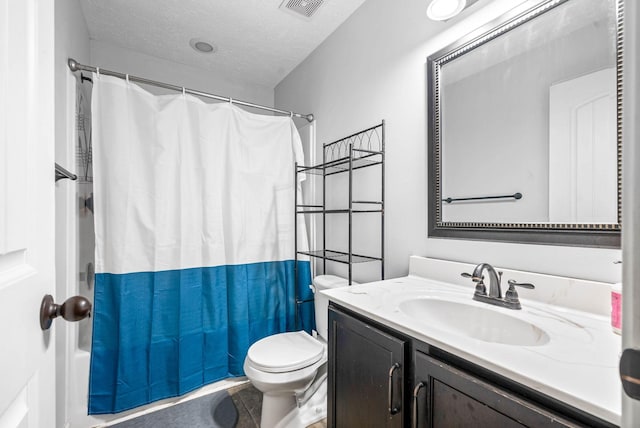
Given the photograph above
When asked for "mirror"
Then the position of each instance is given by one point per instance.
(525, 127)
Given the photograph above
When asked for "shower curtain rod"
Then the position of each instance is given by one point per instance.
(75, 66)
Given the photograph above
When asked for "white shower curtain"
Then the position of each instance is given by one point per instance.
(194, 220)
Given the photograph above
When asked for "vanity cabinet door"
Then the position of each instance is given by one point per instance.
(444, 396)
(366, 371)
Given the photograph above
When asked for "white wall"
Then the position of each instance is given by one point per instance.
(72, 40)
(374, 67)
(116, 58)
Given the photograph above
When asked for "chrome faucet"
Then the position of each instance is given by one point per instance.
(495, 278)
(511, 299)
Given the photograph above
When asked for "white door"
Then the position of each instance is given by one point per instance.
(27, 354)
(583, 157)
(631, 199)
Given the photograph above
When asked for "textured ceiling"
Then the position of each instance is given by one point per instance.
(257, 42)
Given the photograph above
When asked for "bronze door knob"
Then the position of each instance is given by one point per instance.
(74, 308)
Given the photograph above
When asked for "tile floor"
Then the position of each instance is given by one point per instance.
(248, 402)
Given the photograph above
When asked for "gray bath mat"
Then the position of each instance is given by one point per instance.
(235, 408)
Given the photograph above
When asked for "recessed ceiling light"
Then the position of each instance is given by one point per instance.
(441, 10)
(202, 46)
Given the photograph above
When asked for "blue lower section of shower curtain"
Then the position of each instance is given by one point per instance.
(163, 334)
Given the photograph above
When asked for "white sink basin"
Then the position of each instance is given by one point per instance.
(484, 323)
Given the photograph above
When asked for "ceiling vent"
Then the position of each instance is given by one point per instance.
(301, 8)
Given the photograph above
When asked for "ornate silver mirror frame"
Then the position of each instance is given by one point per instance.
(575, 234)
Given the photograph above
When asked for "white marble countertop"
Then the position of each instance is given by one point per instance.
(578, 365)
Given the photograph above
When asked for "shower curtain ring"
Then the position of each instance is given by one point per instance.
(291, 114)
(230, 100)
(127, 77)
(98, 71)
(184, 91)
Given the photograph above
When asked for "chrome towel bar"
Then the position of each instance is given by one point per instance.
(479, 198)
(63, 173)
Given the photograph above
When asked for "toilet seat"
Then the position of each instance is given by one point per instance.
(285, 352)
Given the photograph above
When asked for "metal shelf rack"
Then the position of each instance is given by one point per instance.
(360, 150)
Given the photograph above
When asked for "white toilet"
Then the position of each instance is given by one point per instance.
(290, 369)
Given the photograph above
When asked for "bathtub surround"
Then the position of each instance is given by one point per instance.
(71, 39)
(194, 241)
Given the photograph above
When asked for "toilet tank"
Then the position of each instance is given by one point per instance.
(321, 302)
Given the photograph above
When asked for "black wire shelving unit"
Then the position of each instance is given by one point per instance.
(363, 149)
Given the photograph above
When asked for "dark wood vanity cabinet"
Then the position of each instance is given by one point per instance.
(378, 377)
(367, 369)
(445, 397)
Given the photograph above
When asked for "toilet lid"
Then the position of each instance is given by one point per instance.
(285, 352)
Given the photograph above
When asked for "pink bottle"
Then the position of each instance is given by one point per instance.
(616, 308)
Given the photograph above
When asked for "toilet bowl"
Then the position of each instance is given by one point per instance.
(290, 369)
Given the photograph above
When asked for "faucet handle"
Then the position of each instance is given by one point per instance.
(512, 283)
(481, 289)
(473, 278)
(511, 296)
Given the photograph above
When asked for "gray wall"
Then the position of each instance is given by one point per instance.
(498, 139)
(374, 67)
